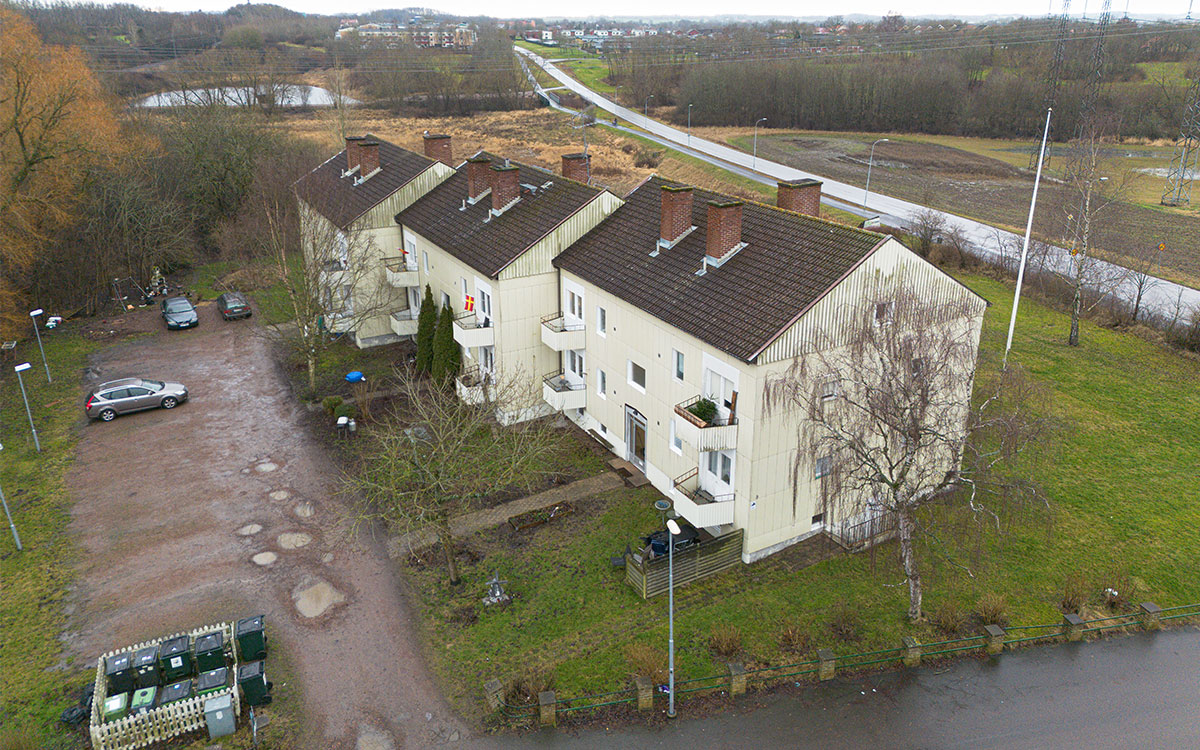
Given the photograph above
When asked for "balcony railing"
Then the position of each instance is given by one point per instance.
(716, 434)
(561, 334)
(564, 393)
(400, 273)
(404, 322)
(473, 385)
(471, 331)
(700, 507)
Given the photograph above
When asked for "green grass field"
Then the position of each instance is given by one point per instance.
(553, 53)
(591, 72)
(1122, 512)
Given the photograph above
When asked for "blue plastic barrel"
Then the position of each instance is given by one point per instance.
(354, 377)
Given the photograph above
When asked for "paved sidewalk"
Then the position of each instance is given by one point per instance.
(487, 518)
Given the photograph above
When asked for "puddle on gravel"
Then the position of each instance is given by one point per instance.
(293, 540)
(373, 738)
(304, 510)
(280, 495)
(265, 558)
(316, 599)
(265, 467)
(250, 529)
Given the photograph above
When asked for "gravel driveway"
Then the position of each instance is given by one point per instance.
(225, 507)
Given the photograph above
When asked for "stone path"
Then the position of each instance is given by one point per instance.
(479, 520)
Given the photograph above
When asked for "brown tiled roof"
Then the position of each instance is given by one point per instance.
(490, 246)
(789, 261)
(338, 199)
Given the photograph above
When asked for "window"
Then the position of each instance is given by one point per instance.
(818, 520)
(676, 443)
(823, 466)
(574, 305)
(603, 429)
(637, 376)
(678, 365)
(719, 389)
(485, 304)
(720, 465)
(445, 300)
(601, 321)
(575, 362)
(829, 389)
(465, 292)
(487, 358)
(425, 258)
(918, 367)
(601, 384)
(883, 313)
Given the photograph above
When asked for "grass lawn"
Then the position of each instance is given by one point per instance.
(553, 53)
(591, 72)
(1123, 513)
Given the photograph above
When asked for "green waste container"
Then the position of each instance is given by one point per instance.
(251, 638)
(175, 659)
(210, 651)
(116, 706)
(143, 700)
(211, 681)
(177, 691)
(119, 671)
(145, 668)
(252, 679)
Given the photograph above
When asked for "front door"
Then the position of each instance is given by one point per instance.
(635, 437)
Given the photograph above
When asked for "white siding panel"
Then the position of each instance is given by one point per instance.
(537, 258)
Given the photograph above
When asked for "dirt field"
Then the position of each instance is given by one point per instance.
(171, 507)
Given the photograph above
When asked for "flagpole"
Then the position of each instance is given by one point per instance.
(1012, 322)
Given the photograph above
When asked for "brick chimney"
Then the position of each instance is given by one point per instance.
(676, 213)
(506, 186)
(437, 146)
(801, 196)
(576, 167)
(724, 229)
(368, 158)
(478, 178)
(352, 144)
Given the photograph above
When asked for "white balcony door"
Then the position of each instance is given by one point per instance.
(575, 368)
(721, 390)
(483, 305)
(573, 304)
(716, 472)
(487, 359)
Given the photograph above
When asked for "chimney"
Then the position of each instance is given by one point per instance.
(352, 144)
(676, 213)
(576, 167)
(506, 187)
(801, 196)
(724, 229)
(368, 158)
(478, 179)
(437, 147)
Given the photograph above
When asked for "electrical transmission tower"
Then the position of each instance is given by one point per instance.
(1054, 73)
(1087, 107)
(1184, 165)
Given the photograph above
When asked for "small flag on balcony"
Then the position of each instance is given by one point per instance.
(469, 303)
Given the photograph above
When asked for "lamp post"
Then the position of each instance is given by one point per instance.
(673, 529)
(754, 161)
(646, 108)
(871, 163)
(11, 525)
(689, 125)
(33, 316)
(20, 369)
(1012, 322)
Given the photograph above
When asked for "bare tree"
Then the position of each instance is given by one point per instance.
(451, 456)
(927, 227)
(887, 423)
(1143, 262)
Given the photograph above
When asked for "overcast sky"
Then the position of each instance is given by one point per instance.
(694, 8)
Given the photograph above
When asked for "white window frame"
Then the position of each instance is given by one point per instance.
(823, 466)
(829, 389)
(601, 321)
(678, 365)
(425, 258)
(629, 365)
(883, 313)
(601, 383)
(676, 442)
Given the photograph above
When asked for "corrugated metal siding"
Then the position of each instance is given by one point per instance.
(537, 258)
(384, 212)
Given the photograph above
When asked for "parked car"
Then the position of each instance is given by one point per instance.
(132, 394)
(179, 313)
(233, 305)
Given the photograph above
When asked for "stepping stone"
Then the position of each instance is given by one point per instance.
(293, 540)
(265, 467)
(280, 495)
(250, 529)
(304, 510)
(327, 557)
(264, 558)
(316, 599)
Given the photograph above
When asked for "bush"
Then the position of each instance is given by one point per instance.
(844, 622)
(647, 159)
(992, 609)
(945, 256)
(647, 661)
(704, 410)
(331, 404)
(465, 615)
(725, 641)
(948, 618)
(345, 410)
(524, 688)
(793, 639)
(1074, 593)
(1120, 590)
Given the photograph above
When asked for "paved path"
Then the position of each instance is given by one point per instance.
(1163, 299)
(488, 518)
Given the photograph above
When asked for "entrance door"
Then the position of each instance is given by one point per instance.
(635, 437)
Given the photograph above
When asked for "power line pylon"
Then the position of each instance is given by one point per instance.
(1184, 164)
(1054, 72)
(1087, 107)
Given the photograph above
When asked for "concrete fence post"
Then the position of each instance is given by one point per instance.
(911, 655)
(1151, 615)
(737, 678)
(1072, 626)
(645, 693)
(547, 710)
(995, 638)
(828, 665)
(493, 690)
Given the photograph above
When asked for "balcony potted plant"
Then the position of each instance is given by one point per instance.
(705, 410)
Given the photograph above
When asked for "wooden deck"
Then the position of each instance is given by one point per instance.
(648, 576)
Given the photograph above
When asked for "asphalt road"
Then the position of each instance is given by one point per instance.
(1163, 298)
(1135, 691)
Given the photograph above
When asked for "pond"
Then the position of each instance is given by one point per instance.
(284, 96)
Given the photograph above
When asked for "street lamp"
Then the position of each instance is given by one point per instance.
(646, 108)
(11, 525)
(870, 164)
(20, 369)
(673, 528)
(33, 316)
(689, 125)
(754, 161)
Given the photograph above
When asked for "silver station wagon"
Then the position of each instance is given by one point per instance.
(132, 394)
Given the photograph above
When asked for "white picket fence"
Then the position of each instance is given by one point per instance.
(163, 722)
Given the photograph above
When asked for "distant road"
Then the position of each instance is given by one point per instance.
(1163, 298)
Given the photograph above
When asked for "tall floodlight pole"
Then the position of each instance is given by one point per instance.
(754, 160)
(689, 126)
(20, 369)
(33, 316)
(11, 525)
(1012, 321)
(646, 108)
(673, 530)
(871, 163)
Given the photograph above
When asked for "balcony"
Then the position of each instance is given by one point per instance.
(470, 331)
(474, 386)
(334, 273)
(399, 273)
(562, 393)
(404, 322)
(715, 434)
(562, 335)
(700, 508)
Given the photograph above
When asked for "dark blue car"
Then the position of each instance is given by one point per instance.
(179, 313)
